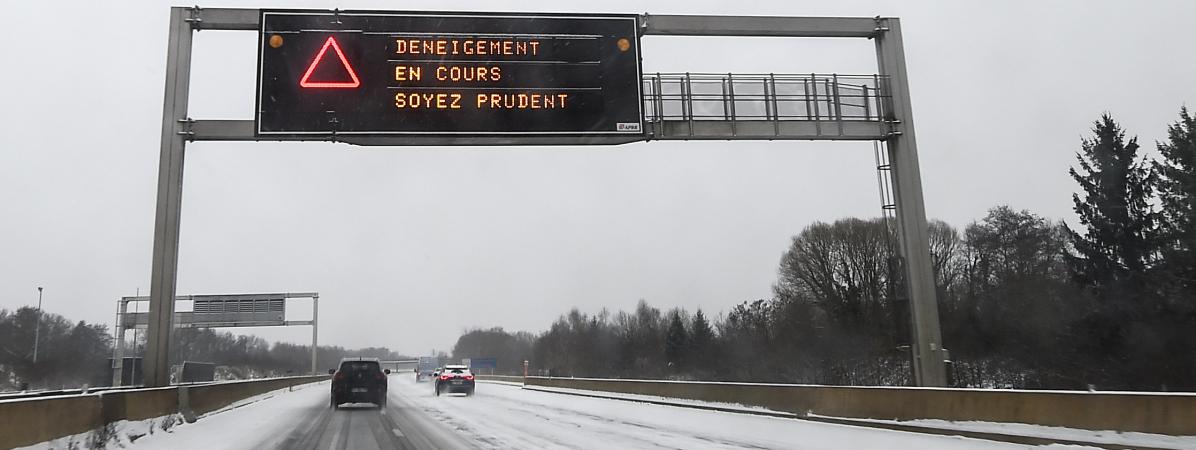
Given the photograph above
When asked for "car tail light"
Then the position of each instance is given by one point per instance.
(381, 376)
(338, 376)
(469, 378)
(444, 378)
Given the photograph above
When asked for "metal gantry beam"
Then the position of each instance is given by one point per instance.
(652, 24)
(684, 25)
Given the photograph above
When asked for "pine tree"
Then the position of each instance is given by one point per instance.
(676, 343)
(1113, 260)
(701, 344)
(1177, 193)
(1118, 246)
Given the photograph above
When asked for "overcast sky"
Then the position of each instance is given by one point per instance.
(409, 246)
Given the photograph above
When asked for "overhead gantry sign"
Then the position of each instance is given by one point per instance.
(354, 74)
(416, 78)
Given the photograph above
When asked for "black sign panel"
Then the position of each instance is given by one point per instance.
(323, 73)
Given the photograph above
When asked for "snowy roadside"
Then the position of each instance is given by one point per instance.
(668, 401)
(118, 434)
(252, 417)
(1013, 429)
(1129, 438)
(154, 431)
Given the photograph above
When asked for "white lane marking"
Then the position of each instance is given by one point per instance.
(397, 432)
(336, 437)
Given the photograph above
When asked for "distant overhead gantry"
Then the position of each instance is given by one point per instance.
(217, 311)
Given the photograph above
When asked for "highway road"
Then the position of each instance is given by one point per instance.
(398, 426)
(503, 416)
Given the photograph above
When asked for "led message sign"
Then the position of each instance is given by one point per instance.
(324, 73)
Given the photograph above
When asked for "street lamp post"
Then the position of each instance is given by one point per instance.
(37, 329)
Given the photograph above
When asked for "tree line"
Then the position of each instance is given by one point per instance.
(248, 356)
(1025, 301)
(75, 354)
(70, 353)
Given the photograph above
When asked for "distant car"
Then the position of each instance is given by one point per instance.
(359, 380)
(455, 379)
(426, 367)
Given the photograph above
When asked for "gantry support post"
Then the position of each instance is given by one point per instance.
(929, 368)
(156, 364)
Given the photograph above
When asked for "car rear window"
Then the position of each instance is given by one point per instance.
(456, 371)
(359, 366)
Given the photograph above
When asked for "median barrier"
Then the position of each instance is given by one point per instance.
(27, 421)
(1147, 412)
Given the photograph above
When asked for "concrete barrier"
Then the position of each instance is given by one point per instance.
(1163, 413)
(139, 404)
(28, 421)
(206, 398)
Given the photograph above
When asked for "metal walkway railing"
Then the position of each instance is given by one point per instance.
(824, 100)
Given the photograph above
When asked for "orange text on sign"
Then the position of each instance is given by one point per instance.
(503, 47)
(421, 100)
(483, 100)
(450, 73)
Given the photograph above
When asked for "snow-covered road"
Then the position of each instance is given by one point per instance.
(503, 416)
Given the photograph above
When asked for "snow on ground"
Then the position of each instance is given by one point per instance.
(119, 434)
(672, 400)
(1019, 429)
(265, 419)
(1022, 429)
(504, 416)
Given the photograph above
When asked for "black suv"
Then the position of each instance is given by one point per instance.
(455, 379)
(359, 380)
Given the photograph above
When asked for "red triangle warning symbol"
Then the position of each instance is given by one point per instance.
(352, 81)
